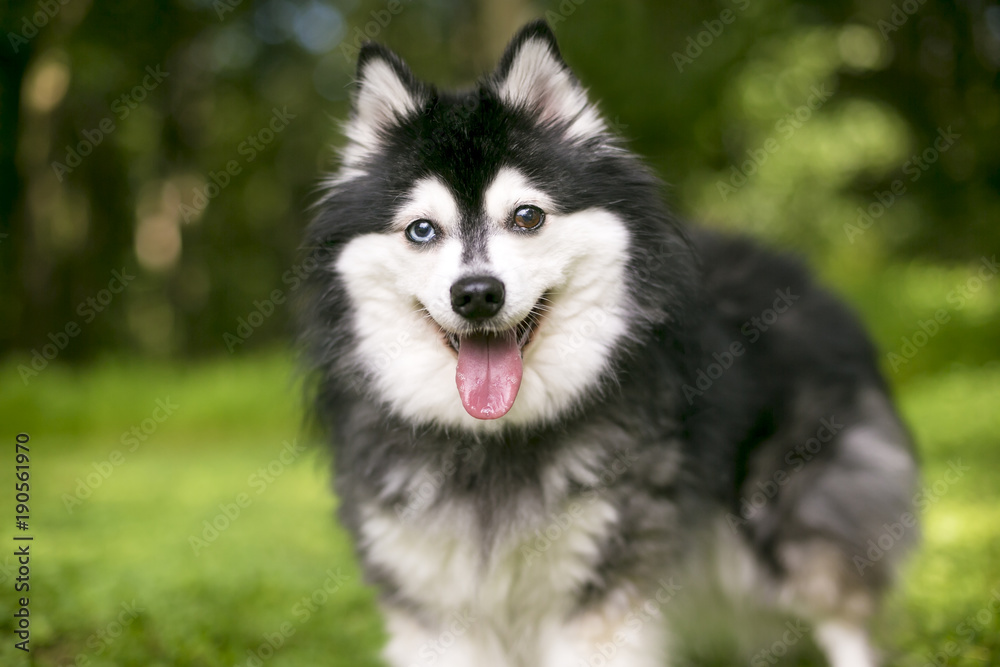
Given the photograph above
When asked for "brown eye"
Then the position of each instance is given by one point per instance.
(529, 217)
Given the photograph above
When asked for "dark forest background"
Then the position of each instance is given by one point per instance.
(698, 88)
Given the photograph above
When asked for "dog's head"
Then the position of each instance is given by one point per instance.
(489, 249)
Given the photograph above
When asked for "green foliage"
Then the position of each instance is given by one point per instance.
(200, 186)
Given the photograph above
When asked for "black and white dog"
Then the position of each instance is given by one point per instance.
(566, 431)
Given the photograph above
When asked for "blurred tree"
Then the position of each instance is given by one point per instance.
(181, 142)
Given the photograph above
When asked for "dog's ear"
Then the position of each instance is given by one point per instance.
(387, 93)
(533, 76)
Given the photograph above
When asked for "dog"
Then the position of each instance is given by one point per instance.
(568, 430)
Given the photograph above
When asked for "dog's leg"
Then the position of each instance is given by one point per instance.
(845, 644)
(855, 491)
(624, 631)
(457, 640)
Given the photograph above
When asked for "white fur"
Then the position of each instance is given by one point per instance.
(429, 198)
(382, 100)
(506, 604)
(342, 176)
(874, 443)
(624, 631)
(845, 644)
(511, 600)
(522, 573)
(538, 80)
(580, 257)
(609, 636)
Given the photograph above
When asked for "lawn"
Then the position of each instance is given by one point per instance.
(125, 570)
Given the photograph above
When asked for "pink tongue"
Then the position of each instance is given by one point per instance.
(488, 374)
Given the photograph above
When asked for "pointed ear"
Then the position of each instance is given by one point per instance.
(532, 75)
(387, 93)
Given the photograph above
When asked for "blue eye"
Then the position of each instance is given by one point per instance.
(421, 231)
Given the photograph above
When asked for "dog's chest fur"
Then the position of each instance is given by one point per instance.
(441, 561)
(511, 575)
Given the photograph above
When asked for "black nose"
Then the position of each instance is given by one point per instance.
(477, 297)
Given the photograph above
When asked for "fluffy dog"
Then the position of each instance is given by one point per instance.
(567, 431)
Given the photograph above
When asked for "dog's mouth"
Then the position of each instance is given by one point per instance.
(521, 333)
(488, 374)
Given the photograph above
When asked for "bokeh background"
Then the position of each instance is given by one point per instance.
(157, 162)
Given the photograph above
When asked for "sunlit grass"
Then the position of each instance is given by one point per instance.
(129, 542)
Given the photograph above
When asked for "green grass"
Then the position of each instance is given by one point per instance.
(129, 542)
